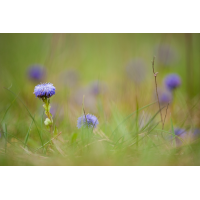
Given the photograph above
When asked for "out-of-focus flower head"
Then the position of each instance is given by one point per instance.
(53, 109)
(196, 133)
(44, 90)
(165, 96)
(36, 72)
(172, 81)
(89, 100)
(165, 54)
(89, 121)
(136, 70)
(181, 133)
(97, 87)
(70, 77)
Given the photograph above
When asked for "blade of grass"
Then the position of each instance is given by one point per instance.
(136, 119)
(131, 115)
(47, 142)
(9, 134)
(4, 126)
(148, 132)
(173, 133)
(150, 120)
(28, 113)
(146, 135)
(8, 109)
(145, 127)
(27, 135)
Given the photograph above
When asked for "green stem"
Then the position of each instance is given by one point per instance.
(47, 112)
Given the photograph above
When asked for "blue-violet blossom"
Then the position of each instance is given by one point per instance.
(36, 72)
(172, 81)
(181, 133)
(44, 90)
(89, 121)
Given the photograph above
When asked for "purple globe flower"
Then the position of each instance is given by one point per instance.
(44, 90)
(172, 81)
(36, 72)
(89, 121)
(181, 133)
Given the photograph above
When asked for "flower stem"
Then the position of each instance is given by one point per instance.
(48, 121)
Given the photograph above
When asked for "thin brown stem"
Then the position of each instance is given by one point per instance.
(83, 108)
(165, 116)
(85, 114)
(155, 75)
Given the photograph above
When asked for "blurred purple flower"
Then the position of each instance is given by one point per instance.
(172, 81)
(166, 54)
(97, 87)
(136, 70)
(70, 77)
(196, 133)
(89, 100)
(165, 96)
(181, 133)
(53, 109)
(89, 121)
(36, 72)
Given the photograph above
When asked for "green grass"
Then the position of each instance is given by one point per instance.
(129, 131)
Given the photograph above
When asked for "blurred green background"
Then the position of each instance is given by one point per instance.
(101, 58)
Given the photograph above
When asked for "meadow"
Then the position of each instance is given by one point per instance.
(109, 76)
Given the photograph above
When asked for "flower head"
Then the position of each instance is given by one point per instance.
(89, 120)
(95, 88)
(44, 90)
(165, 96)
(53, 109)
(196, 133)
(136, 70)
(172, 81)
(181, 133)
(70, 77)
(166, 54)
(36, 72)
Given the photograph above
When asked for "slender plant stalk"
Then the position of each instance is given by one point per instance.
(155, 75)
(165, 116)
